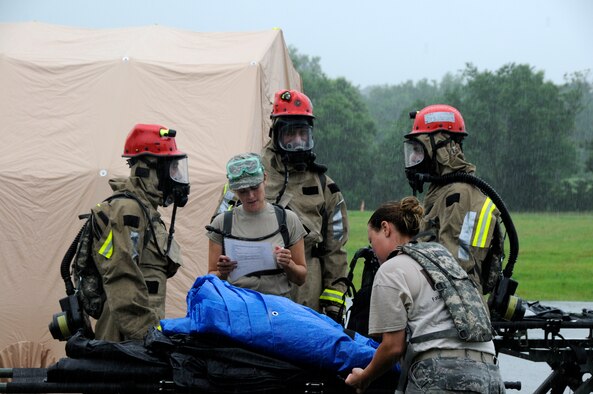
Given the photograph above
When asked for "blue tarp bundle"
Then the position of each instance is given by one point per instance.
(270, 324)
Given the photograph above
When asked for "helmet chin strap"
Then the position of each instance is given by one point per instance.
(430, 169)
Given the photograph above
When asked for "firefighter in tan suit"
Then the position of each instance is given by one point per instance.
(297, 183)
(131, 247)
(458, 215)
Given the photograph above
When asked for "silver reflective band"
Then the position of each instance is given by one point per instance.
(338, 222)
(439, 117)
(467, 228)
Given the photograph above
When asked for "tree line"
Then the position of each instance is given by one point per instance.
(531, 139)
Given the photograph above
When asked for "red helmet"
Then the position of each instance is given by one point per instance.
(291, 102)
(438, 117)
(153, 140)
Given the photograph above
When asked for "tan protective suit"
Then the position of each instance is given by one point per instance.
(135, 272)
(463, 218)
(324, 242)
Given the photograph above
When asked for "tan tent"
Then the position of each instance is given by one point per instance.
(68, 98)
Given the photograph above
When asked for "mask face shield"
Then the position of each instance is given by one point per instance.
(173, 177)
(178, 171)
(295, 135)
(416, 161)
(413, 153)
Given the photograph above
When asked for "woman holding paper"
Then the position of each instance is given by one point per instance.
(253, 253)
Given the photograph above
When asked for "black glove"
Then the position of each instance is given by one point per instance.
(335, 313)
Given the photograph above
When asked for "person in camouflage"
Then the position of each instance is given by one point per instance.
(132, 249)
(458, 215)
(437, 357)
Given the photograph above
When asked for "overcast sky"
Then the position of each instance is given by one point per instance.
(367, 42)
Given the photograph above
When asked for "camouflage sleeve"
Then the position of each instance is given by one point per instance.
(117, 254)
(334, 259)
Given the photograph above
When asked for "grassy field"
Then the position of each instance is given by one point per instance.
(555, 259)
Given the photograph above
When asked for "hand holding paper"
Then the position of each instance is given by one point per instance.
(283, 256)
(225, 265)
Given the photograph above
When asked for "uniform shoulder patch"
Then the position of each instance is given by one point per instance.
(333, 188)
(311, 190)
(131, 221)
(452, 199)
(142, 172)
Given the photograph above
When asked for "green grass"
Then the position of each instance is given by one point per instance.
(555, 259)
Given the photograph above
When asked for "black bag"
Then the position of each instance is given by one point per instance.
(358, 313)
(191, 363)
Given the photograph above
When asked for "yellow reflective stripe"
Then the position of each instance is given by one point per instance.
(63, 324)
(511, 308)
(332, 296)
(107, 249)
(481, 234)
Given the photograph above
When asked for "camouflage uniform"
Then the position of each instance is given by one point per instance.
(425, 290)
(133, 269)
(454, 375)
(461, 297)
(324, 242)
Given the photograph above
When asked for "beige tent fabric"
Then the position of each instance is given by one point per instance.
(26, 354)
(69, 97)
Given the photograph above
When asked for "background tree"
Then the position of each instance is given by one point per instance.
(344, 131)
(575, 193)
(530, 139)
(521, 129)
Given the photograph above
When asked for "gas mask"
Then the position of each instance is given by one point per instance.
(293, 137)
(173, 178)
(424, 152)
(416, 161)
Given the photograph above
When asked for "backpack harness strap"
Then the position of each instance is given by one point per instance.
(227, 226)
(281, 218)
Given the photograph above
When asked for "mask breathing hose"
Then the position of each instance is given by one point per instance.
(65, 266)
(496, 199)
